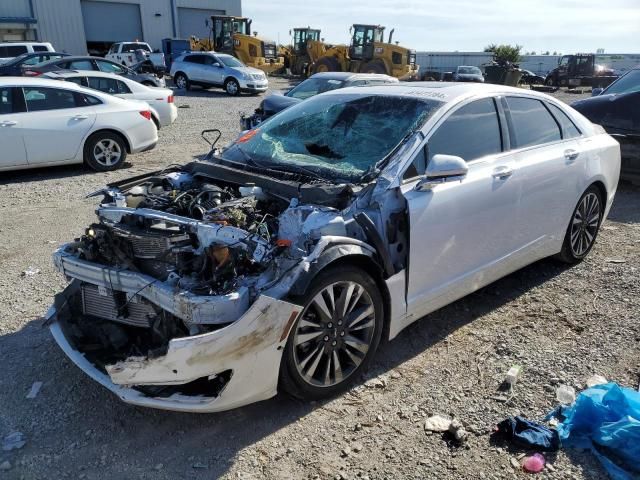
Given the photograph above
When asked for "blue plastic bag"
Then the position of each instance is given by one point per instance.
(606, 419)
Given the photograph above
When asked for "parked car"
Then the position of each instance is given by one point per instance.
(11, 50)
(530, 78)
(314, 85)
(281, 262)
(15, 67)
(466, 73)
(124, 53)
(160, 100)
(98, 64)
(208, 69)
(46, 122)
(617, 109)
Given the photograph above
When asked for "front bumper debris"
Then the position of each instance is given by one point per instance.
(245, 355)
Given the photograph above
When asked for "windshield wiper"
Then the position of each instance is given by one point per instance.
(377, 167)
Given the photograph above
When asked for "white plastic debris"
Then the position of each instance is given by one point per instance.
(13, 441)
(437, 423)
(513, 375)
(566, 394)
(30, 272)
(594, 380)
(35, 389)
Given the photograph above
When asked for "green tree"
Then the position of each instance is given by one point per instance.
(505, 53)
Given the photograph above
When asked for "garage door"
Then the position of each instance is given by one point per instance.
(192, 21)
(111, 22)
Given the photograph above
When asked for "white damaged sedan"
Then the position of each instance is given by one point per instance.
(282, 261)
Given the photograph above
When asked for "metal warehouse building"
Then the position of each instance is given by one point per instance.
(78, 26)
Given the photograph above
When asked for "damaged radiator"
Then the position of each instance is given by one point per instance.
(116, 306)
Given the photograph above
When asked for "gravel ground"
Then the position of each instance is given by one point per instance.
(561, 324)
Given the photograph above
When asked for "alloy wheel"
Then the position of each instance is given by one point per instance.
(584, 225)
(107, 152)
(334, 334)
(232, 88)
(181, 82)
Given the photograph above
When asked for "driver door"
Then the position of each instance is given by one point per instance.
(461, 231)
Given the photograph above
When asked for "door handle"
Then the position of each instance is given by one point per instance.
(79, 117)
(502, 172)
(570, 155)
(8, 123)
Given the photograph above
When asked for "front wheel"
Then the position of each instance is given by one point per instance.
(550, 82)
(335, 336)
(181, 81)
(232, 87)
(105, 151)
(583, 228)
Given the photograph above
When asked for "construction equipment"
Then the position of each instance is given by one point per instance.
(367, 53)
(232, 35)
(296, 56)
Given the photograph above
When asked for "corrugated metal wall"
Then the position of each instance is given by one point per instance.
(60, 21)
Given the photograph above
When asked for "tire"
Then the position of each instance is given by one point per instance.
(581, 236)
(550, 82)
(326, 64)
(373, 67)
(105, 151)
(232, 87)
(181, 81)
(321, 345)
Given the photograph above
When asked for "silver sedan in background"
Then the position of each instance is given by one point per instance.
(283, 261)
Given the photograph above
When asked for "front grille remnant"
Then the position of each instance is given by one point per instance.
(116, 306)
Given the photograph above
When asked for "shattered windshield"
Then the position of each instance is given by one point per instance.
(314, 86)
(338, 137)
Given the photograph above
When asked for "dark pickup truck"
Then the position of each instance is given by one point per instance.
(579, 70)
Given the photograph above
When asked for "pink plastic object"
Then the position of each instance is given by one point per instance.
(534, 463)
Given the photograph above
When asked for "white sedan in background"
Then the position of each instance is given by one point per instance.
(46, 122)
(164, 111)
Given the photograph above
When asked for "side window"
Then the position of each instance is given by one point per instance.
(40, 48)
(471, 132)
(396, 58)
(532, 123)
(106, 85)
(39, 99)
(80, 65)
(15, 50)
(34, 60)
(358, 83)
(85, 100)
(82, 81)
(113, 49)
(6, 100)
(194, 59)
(569, 130)
(109, 67)
(122, 87)
(208, 60)
(418, 166)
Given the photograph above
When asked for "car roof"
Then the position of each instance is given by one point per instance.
(444, 91)
(38, 82)
(349, 76)
(85, 73)
(75, 57)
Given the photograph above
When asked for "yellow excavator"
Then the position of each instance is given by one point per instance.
(232, 35)
(368, 53)
(296, 56)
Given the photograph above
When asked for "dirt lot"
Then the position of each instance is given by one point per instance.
(561, 324)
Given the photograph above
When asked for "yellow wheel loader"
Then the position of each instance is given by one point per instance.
(368, 53)
(232, 35)
(296, 55)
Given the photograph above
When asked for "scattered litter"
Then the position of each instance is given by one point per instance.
(515, 463)
(616, 260)
(35, 389)
(184, 106)
(513, 375)
(527, 434)
(565, 394)
(378, 382)
(594, 380)
(457, 430)
(30, 272)
(606, 419)
(534, 464)
(437, 423)
(13, 441)
(346, 451)
(200, 466)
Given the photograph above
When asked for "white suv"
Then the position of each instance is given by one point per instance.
(11, 50)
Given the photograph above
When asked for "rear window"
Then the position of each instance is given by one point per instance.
(132, 47)
(12, 50)
(532, 123)
(80, 65)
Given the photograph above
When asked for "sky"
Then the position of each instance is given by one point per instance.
(566, 26)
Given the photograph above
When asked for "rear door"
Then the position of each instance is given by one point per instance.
(56, 122)
(11, 127)
(549, 156)
(461, 231)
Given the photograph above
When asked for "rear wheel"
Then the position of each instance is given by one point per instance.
(326, 64)
(583, 228)
(232, 87)
(104, 151)
(181, 81)
(373, 67)
(550, 82)
(335, 336)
